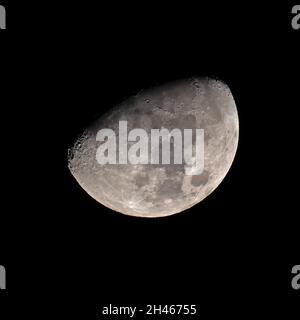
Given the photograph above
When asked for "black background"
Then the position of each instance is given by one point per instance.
(62, 67)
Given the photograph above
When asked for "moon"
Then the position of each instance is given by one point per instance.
(150, 190)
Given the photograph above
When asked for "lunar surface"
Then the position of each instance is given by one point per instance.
(156, 190)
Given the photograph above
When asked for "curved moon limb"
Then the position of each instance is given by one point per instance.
(147, 189)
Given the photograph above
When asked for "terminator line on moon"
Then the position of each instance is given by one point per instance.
(151, 190)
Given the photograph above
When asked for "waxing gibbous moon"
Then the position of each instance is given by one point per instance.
(150, 190)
